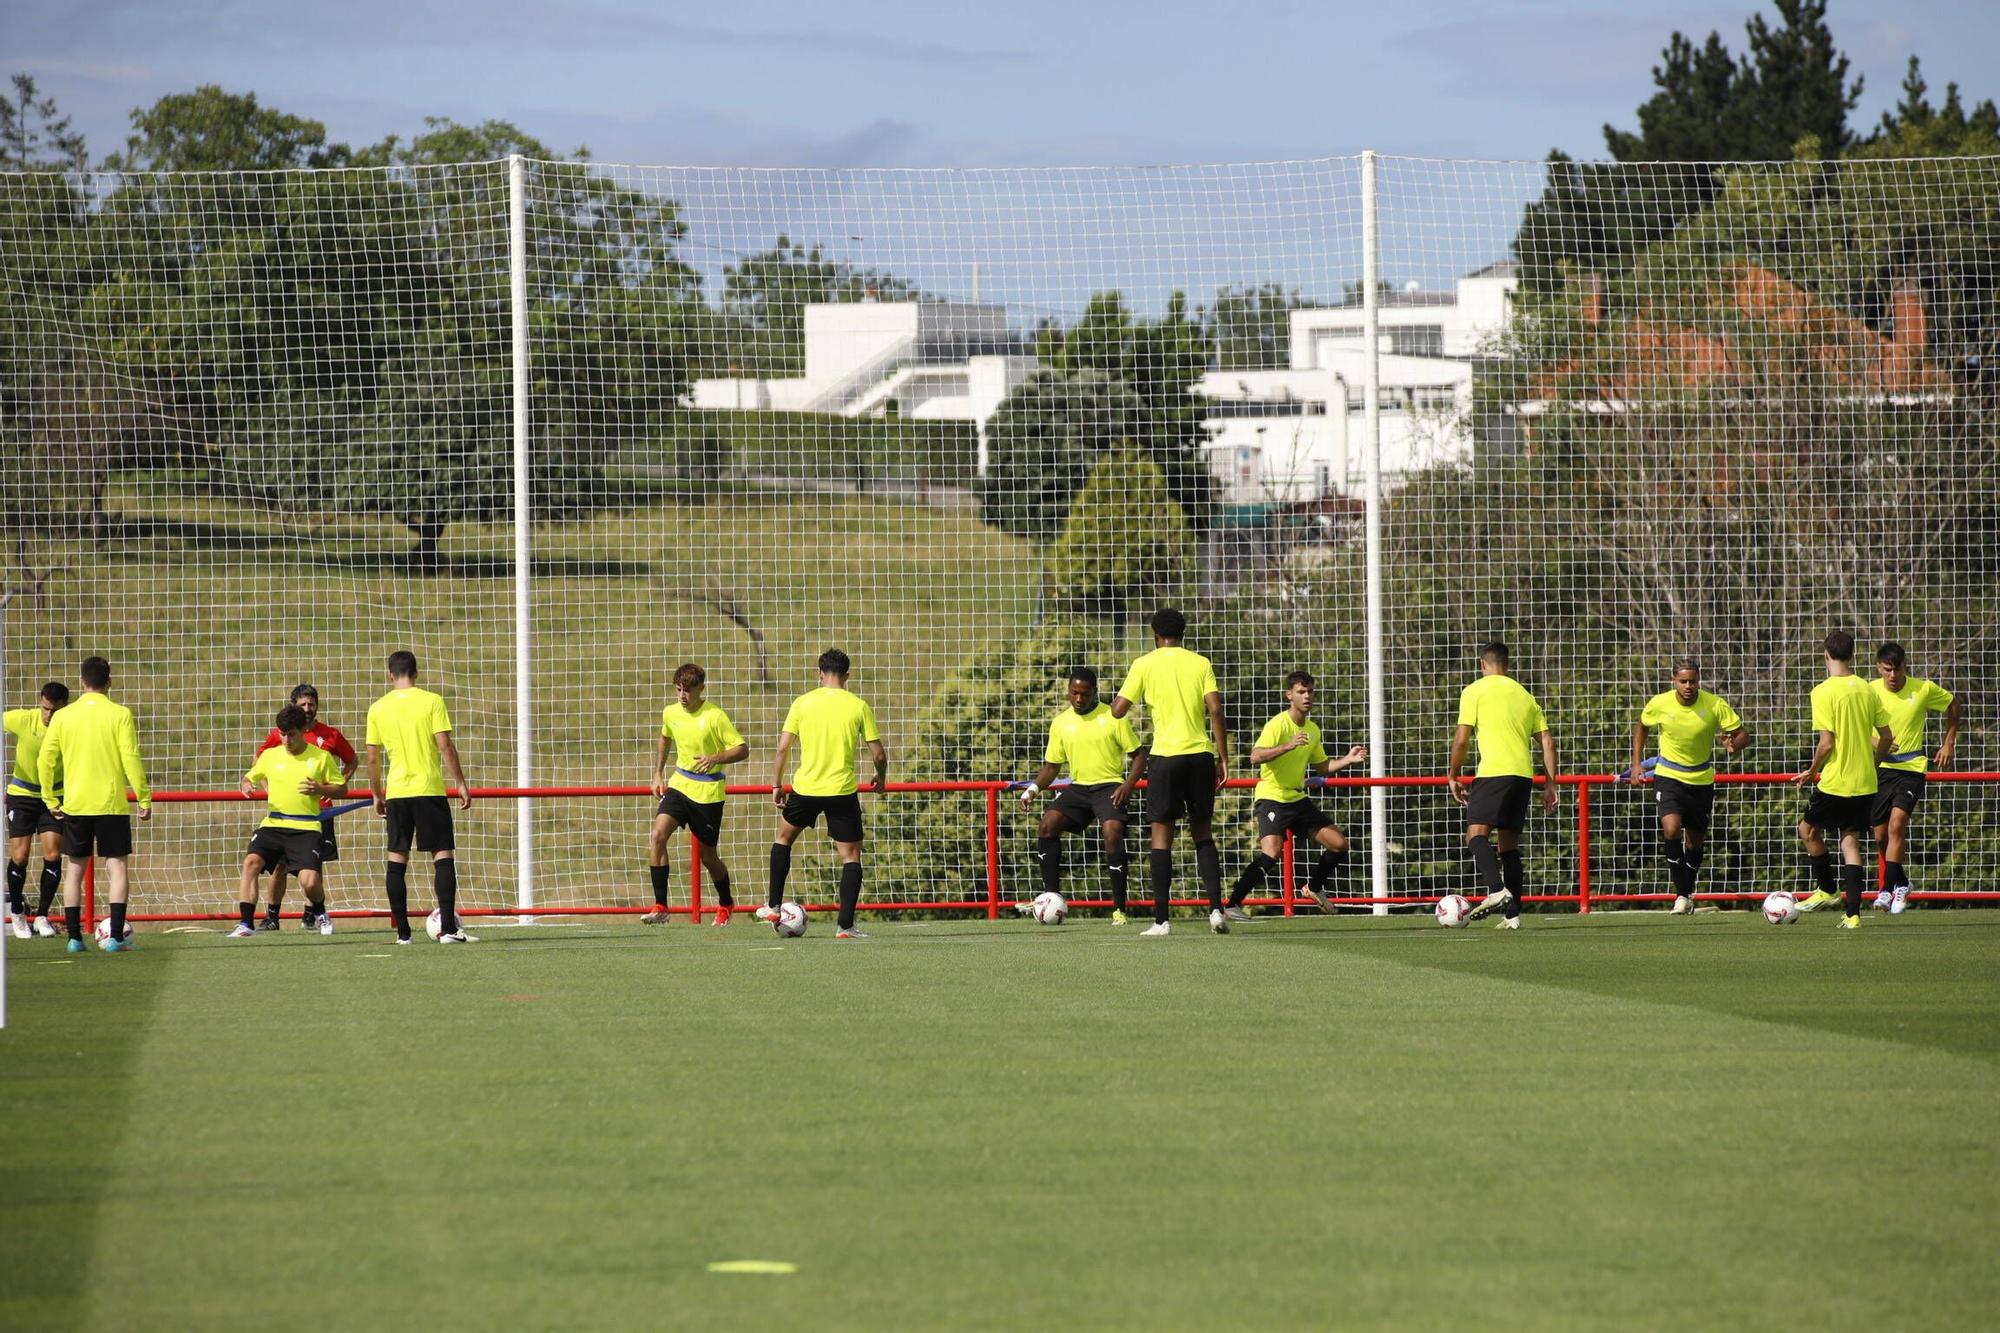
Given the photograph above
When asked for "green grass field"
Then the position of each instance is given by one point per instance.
(1610, 1121)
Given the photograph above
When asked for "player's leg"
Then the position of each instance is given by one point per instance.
(52, 871)
(1894, 848)
(1692, 842)
(79, 845)
(659, 867)
(1115, 869)
(1513, 876)
(312, 883)
(1161, 872)
(843, 825)
(1198, 796)
(798, 815)
(118, 881)
(1851, 876)
(1819, 861)
(1256, 876)
(246, 893)
(1333, 850)
(717, 871)
(275, 904)
(444, 883)
(1673, 840)
(17, 876)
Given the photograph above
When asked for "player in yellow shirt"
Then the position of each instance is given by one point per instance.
(1901, 777)
(1188, 762)
(1095, 745)
(1290, 747)
(827, 725)
(28, 816)
(1505, 719)
(89, 760)
(1689, 721)
(413, 727)
(294, 775)
(1852, 727)
(704, 739)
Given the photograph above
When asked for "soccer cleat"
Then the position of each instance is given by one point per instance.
(1883, 899)
(722, 915)
(1218, 922)
(1899, 900)
(1683, 905)
(403, 939)
(22, 930)
(766, 913)
(1490, 903)
(851, 933)
(116, 946)
(1817, 899)
(1118, 917)
(1319, 900)
(1235, 914)
(457, 937)
(1849, 923)
(268, 923)
(325, 923)
(244, 930)
(1024, 909)
(45, 928)
(1158, 928)
(1508, 923)
(657, 917)
(76, 946)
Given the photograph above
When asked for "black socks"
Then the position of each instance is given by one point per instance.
(1208, 864)
(1163, 881)
(1253, 879)
(444, 879)
(781, 866)
(51, 884)
(396, 883)
(1048, 851)
(661, 875)
(850, 892)
(1120, 875)
(1822, 872)
(1515, 880)
(1484, 863)
(17, 884)
(1850, 889)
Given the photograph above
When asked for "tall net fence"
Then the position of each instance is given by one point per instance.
(971, 427)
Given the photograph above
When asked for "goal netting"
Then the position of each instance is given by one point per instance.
(972, 426)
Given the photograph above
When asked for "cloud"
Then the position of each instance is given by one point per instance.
(1562, 55)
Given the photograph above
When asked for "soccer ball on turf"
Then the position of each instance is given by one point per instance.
(1781, 909)
(103, 930)
(1451, 909)
(434, 923)
(790, 922)
(1049, 908)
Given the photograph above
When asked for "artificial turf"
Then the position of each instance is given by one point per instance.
(1616, 1120)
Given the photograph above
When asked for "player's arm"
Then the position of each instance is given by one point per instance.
(660, 767)
(1133, 776)
(1550, 791)
(881, 758)
(785, 742)
(1354, 755)
(375, 781)
(1822, 751)
(1948, 748)
(135, 767)
(1461, 746)
(321, 787)
(1264, 754)
(344, 752)
(1120, 705)
(1218, 727)
(708, 763)
(1885, 743)
(1737, 741)
(252, 783)
(1637, 773)
(48, 771)
(449, 753)
(1040, 782)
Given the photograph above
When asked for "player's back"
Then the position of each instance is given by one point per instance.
(830, 724)
(1174, 684)
(94, 744)
(405, 723)
(1851, 710)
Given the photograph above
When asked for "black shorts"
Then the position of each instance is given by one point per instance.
(1180, 784)
(111, 835)
(1843, 814)
(298, 849)
(1500, 803)
(27, 816)
(1897, 789)
(1693, 802)
(843, 814)
(702, 819)
(1301, 818)
(328, 848)
(1081, 803)
(426, 818)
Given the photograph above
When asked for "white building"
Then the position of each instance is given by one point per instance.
(1276, 434)
(934, 360)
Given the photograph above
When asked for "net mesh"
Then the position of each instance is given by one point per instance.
(971, 427)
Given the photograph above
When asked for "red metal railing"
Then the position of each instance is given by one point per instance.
(1586, 894)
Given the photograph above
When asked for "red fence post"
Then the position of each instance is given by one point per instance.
(1583, 848)
(694, 879)
(1287, 878)
(89, 894)
(993, 853)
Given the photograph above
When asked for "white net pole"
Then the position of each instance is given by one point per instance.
(524, 695)
(1378, 724)
(6, 597)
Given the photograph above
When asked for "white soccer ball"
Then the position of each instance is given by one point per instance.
(1781, 909)
(434, 923)
(1451, 909)
(103, 929)
(1049, 908)
(790, 922)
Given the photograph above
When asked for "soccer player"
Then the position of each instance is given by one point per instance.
(414, 727)
(1852, 725)
(90, 758)
(28, 816)
(294, 775)
(828, 725)
(704, 740)
(306, 699)
(1503, 717)
(1096, 747)
(1900, 777)
(1287, 749)
(1689, 720)
(1188, 763)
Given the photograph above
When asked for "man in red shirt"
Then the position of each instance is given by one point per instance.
(329, 739)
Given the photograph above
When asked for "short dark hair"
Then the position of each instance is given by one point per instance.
(1169, 623)
(56, 693)
(293, 718)
(1494, 651)
(688, 675)
(304, 691)
(1298, 678)
(1084, 674)
(95, 673)
(403, 664)
(1891, 654)
(1840, 646)
(833, 662)
(1686, 662)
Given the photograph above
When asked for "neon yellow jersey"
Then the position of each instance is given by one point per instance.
(1851, 710)
(1909, 709)
(91, 755)
(25, 725)
(1093, 744)
(405, 724)
(1173, 684)
(707, 730)
(1687, 734)
(1505, 719)
(830, 724)
(281, 772)
(1284, 778)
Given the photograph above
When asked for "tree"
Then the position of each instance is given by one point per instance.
(213, 130)
(1916, 129)
(1251, 327)
(1043, 442)
(766, 295)
(33, 136)
(1126, 546)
